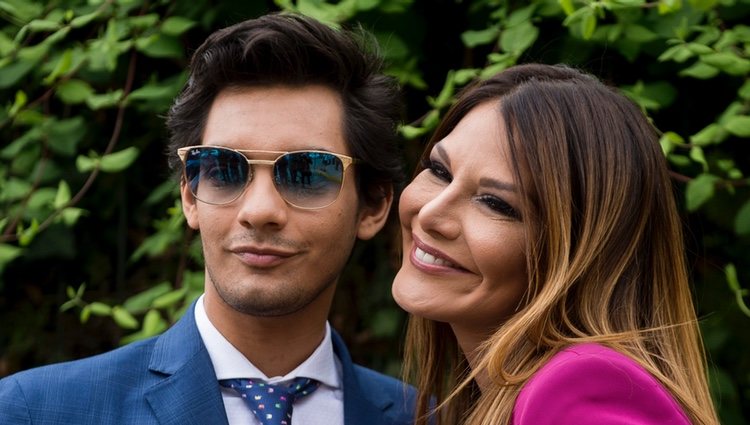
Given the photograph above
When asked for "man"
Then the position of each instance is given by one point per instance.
(262, 94)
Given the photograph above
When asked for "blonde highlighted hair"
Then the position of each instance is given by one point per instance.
(605, 251)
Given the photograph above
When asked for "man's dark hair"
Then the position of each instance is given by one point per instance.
(294, 50)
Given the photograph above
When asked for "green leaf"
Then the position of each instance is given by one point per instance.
(176, 25)
(744, 91)
(710, 134)
(15, 189)
(669, 6)
(640, 34)
(446, 94)
(567, 6)
(8, 253)
(699, 190)
(67, 305)
(87, 163)
(653, 95)
(742, 220)
(700, 70)
(43, 25)
(85, 314)
(431, 119)
(160, 46)
(704, 4)
(153, 92)
(22, 10)
(83, 20)
(27, 235)
(61, 68)
(123, 318)
(63, 136)
(730, 271)
(699, 49)
(70, 215)
(477, 38)
(588, 24)
(463, 76)
(518, 38)
(143, 300)
(728, 62)
(100, 309)
(144, 21)
(74, 91)
(410, 132)
(696, 154)
(679, 53)
(42, 198)
(668, 141)
(739, 125)
(18, 103)
(118, 161)
(63, 195)
(100, 101)
(153, 323)
(169, 299)
(57, 36)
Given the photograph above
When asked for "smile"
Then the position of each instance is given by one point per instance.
(431, 259)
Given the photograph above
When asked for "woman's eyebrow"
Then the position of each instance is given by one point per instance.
(442, 153)
(497, 184)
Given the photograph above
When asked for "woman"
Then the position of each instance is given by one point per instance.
(544, 265)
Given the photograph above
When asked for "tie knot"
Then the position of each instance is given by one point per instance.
(271, 403)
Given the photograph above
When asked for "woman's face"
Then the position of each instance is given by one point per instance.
(463, 235)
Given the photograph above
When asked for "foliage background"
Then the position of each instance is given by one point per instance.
(93, 248)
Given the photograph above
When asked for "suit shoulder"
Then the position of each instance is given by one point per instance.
(393, 397)
(367, 375)
(119, 364)
(371, 378)
(591, 384)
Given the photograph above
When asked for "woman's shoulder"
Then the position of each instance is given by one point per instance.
(594, 384)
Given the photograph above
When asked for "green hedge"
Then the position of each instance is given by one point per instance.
(94, 251)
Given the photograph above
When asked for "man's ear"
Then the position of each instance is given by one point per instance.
(189, 207)
(372, 217)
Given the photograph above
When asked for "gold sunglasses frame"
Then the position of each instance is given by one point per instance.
(346, 161)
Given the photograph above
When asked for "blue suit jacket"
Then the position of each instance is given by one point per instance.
(169, 379)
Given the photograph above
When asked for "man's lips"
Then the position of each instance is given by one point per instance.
(261, 256)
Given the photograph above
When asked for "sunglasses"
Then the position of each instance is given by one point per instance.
(304, 179)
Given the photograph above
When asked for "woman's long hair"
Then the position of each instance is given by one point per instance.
(605, 251)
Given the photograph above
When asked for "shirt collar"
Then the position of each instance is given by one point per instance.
(229, 363)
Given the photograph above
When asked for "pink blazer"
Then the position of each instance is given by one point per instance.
(590, 384)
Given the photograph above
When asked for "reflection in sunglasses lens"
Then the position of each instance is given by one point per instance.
(309, 179)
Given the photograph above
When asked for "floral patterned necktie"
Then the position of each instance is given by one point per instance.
(271, 403)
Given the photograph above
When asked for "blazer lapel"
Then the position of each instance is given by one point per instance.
(188, 393)
(361, 406)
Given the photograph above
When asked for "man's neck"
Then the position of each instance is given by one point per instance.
(274, 345)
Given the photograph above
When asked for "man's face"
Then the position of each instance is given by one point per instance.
(263, 256)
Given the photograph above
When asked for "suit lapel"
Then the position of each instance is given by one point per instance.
(361, 406)
(188, 392)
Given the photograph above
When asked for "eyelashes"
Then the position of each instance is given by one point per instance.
(494, 203)
(437, 169)
(500, 206)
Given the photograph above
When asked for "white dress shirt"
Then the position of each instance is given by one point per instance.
(325, 406)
